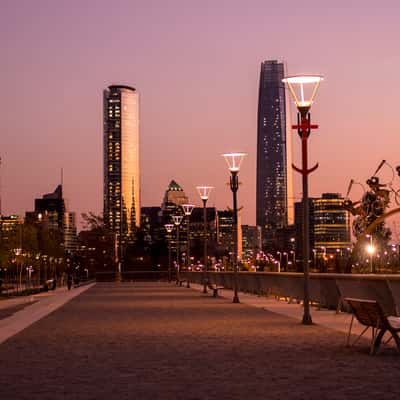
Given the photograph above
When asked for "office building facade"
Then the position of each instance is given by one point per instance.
(274, 204)
(331, 224)
(121, 160)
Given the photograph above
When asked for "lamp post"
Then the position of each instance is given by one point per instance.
(294, 258)
(280, 260)
(234, 160)
(303, 90)
(169, 228)
(315, 259)
(187, 209)
(371, 251)
(287, 261)
(204, 192)
(177, 221)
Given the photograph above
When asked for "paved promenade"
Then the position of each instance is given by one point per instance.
(159, 341)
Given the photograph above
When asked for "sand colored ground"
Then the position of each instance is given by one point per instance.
(160, 341)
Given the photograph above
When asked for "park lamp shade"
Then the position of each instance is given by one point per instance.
(169, 227)
(187, 209)
(234, 161)
(303, 90)
(204, 191)
(177, 219)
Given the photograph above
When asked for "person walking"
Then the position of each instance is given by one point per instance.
(69, 281)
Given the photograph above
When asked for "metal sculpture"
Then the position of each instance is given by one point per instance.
(371, 211)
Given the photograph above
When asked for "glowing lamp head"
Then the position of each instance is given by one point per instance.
(234, 161)
(177, 219)
(169, 227)
(187, 209)
(204, 191)
(303, 90)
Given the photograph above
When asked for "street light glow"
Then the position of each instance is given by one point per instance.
(370, 249)
(234, 160)
(204, 191)
(298, 84)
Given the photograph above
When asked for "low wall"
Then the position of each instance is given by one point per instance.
(327, 290)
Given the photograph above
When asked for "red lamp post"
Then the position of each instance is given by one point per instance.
(298, 86)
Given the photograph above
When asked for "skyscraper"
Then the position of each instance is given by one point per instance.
(331, 223)
(121, 160)
(274, 203)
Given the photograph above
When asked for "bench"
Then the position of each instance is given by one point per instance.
(370, 314)
(50, 284)
(214, 287)
(181, 281)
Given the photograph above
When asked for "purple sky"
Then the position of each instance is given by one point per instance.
(196, 65)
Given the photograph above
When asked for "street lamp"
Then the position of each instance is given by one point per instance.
(371, 251)
(315, 258)
(303, 90)
(177, 221)
(169, 228)
(234, 161)
(280, 260)
(294, 258)
(287, 261)
(204, 192)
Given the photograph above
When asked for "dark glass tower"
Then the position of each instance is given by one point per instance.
(272, 188)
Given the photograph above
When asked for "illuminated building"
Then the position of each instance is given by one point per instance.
(10, 223)
(251, 239)
(274, 204)
(225, 231)
(331, 223)
(51, 208)
(50, 213)
(121, 161)
(70, 235)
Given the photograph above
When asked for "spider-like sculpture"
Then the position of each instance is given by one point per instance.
(373, 204)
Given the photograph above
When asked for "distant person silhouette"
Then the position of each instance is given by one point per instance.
(69, 281)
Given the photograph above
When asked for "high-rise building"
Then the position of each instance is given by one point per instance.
(274, 201)
(225, 233)
(251, 239)
(70, 235)
(51, 213)
(121, 160)
(51, 208)
(331, 223)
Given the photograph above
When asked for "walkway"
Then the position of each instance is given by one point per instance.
(159, 341)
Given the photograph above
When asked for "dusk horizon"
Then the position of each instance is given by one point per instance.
(196, 69)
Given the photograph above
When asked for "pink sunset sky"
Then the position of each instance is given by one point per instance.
(196, 65)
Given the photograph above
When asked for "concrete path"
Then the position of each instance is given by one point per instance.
(32, 308)
(160, 341)
(327, 318)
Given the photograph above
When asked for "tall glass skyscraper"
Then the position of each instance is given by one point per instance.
(121, 160)
(274, 203)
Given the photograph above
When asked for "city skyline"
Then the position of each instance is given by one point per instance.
(199, 92)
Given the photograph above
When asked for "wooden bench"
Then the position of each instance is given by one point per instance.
(50, 284)
(370, 314)
(181, 281)
(214, 287)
